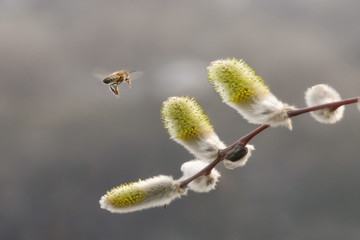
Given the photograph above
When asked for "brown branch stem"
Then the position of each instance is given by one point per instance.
(244, 140)
(333, 105)
(204, 171)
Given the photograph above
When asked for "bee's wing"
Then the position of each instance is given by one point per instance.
(136, 75)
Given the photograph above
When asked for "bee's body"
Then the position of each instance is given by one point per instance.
(116, 78)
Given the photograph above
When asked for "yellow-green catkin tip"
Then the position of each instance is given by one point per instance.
(124, 195)
(235, 81)
(184, 118)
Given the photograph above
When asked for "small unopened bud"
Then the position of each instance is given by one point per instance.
(190, 127)
(152, 192)
(202, 183)
(243, 90)
(238, 156)
(322, 94)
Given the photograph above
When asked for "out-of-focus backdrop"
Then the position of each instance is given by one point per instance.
(66, 140)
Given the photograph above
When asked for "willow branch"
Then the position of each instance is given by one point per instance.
(244, 140)
(332, 105)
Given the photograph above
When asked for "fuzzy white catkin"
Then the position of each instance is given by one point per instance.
(204, 147)
(265, 109)
(243, 90)
(202, 183)
(152, 192)
(241, 162)
(190, 127)
(322, 94)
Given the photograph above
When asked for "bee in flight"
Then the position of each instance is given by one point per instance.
(116, 78)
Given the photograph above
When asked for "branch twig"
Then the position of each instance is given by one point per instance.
(244, 140)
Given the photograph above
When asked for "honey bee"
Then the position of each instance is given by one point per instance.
(116, 78)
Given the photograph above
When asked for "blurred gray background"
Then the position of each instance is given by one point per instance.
(66, 140)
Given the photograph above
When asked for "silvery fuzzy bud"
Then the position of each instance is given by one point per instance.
(152, 192)
(202, 183)
(190, 127)
(243, 90)
(322, 94)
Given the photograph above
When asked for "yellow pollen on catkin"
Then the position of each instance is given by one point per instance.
(124, 195)
(184, 118)
(241, 95)
(235, 81)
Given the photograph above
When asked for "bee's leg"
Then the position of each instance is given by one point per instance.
(114, 89)
(129, 82)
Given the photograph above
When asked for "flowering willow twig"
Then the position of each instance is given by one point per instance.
(244, 140)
